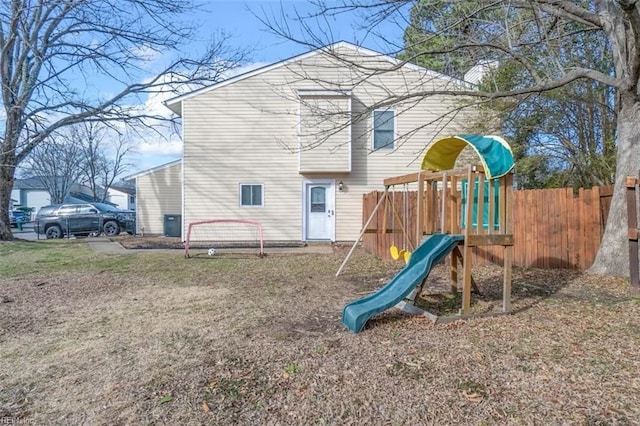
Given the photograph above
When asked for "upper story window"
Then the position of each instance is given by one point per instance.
(383, 129)
(251, 195)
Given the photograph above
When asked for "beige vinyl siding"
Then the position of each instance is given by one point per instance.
(158, 193)
(325, 134)
(247, 131)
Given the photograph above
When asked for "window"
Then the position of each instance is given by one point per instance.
(86, 209)
(318, 202)
(251, 195)
(383, 129)
(67, 210)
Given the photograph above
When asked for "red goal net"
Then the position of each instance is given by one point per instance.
(216, 235)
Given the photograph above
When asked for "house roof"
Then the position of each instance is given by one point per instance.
(152, 170)
(131, 190)
(29, 183)
(79, 197)
(175, 104)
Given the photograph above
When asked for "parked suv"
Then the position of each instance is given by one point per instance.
(83, 219)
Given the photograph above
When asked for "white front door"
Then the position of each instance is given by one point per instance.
(319, 210)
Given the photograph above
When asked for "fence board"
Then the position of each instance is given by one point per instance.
(552, 228)
(574, 232)
(585, 199)
(594, 225)
(552, 250)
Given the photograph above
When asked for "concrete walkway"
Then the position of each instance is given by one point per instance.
(107, 247)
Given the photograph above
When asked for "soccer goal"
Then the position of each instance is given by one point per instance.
(219, 234)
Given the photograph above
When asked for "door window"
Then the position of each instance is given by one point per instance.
(318, 200)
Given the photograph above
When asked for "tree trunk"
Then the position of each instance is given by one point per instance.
(7, 171)
(613, 255)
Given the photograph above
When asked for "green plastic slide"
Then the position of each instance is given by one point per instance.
(432, 250)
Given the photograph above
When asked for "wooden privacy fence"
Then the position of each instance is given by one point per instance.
(552, 228)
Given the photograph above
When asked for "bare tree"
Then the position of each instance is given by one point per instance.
(58, 58)
(533, 37)
(57, 165)
(106, 156)
(90, 154)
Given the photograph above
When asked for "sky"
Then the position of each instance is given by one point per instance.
(241, 21)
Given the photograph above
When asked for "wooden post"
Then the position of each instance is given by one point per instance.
(443, 207)
(384, 218)
(508, 250)
(453, 206)
(420, 211)
(428, 220)
(466, 279)
(632, 217)
(502, 199)
(492, 208)
(480, 207)
(455, 255)
(433, 206)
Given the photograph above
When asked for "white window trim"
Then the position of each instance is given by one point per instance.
(240, 185)
(395, 130)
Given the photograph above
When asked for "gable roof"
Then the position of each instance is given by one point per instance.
(152, 170)
(175, 104)
(30, 183)
(124, 189)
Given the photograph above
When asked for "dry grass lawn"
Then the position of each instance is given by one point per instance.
(153, 338)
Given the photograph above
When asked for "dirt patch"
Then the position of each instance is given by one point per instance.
(157, 338)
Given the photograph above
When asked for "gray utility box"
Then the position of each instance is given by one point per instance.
(172, 225)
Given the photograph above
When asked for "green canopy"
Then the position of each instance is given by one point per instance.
(494, 152)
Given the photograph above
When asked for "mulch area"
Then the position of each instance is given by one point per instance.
(160, 242)
(149, 242)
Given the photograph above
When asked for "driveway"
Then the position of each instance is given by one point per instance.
(26, 233)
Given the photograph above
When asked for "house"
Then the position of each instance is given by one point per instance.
(122, 196)
(32, 193)
(295, 144)
(159, 193)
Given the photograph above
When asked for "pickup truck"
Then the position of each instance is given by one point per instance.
(56, 221)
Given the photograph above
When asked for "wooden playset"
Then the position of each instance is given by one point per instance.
(472, 205)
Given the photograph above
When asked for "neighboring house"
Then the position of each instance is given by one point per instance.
(295, 144)
(123, 197)
(158, 193)
(30, 192)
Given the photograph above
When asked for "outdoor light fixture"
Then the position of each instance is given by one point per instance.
(340, 186)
